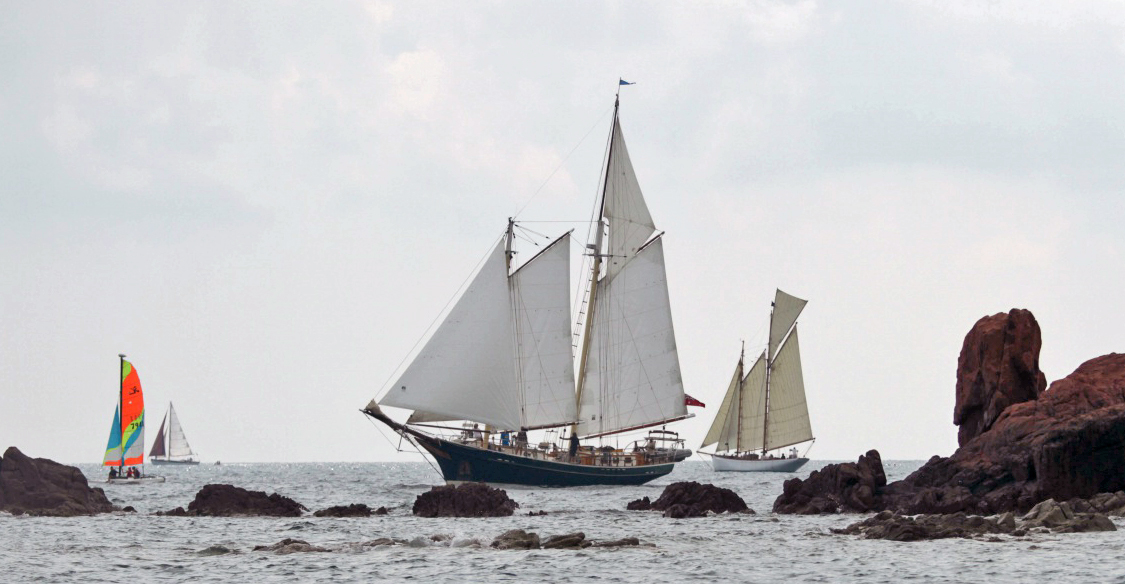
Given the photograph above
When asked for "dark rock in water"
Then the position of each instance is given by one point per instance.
(177, 512)
(353, 510)
(128, 509)
(44, 487)
(466, 500)
(566, 541)
(229, 500)
(623, 542)
(381, 511)
(692, 499)
(290, 546)
(998, 367)
(536, 513)
(639, 505)
(215, 550)
(516, 539)
(1111, 504)
(849, 486)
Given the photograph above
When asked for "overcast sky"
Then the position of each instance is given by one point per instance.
(265, 205)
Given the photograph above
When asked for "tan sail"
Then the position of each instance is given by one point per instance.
(789, 412)
(725, 425)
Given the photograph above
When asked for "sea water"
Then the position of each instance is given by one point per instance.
(142, 547)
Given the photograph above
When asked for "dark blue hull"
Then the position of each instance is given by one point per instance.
(461, 463)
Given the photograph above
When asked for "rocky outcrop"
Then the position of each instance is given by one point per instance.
(998, 367)
(849, 486)
(353, 510)
(38, 486)
(229, 500)
(466, 500)
(1064, 443)
(575, 540)
(691, 499)
(516, 539)
(1047, 517)
(290, 546)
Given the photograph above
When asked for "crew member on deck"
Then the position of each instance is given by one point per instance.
(112, 473)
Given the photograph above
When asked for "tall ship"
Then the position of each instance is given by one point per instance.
(502, 362)
(171, 444)
(764, 410)
(126, 446)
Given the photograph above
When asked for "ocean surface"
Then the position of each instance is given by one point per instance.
(141, 547)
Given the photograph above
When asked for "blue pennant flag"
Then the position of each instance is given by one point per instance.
(623, 82)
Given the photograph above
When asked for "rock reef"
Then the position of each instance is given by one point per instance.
(231, 501)
(353, 510)
(466, 500)
(38, 486)
(1022, 445)
(691, 499)
(848, 487)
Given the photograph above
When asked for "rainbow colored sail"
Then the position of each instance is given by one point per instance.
(127, 436)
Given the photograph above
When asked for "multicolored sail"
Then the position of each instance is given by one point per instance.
(127, 436)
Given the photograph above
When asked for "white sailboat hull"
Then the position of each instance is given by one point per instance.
(159, 462)
(140, 481)
(731, 464)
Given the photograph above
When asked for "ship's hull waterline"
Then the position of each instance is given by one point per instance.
(732, 464)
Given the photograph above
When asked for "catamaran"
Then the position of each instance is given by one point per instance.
(171, 446)
(127, 435)
(502, 361)
(765, 411)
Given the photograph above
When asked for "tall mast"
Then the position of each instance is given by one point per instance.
(596, 270)
(121, 407)
(769, 367)
(738, 403)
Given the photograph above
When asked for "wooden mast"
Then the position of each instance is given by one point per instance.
(596, 270)
(769, 367)
(738, 402)
(121, 410)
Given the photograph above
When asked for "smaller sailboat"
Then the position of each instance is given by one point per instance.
(171, 445)
(127, 435)
(764, 411)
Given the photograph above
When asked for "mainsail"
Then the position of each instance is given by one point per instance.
(127, 436)
(766, 409)
(502, 355)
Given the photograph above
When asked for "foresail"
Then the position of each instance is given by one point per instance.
(630, 224)
(789, 413)
(540, 296)
(725, 426)
(177, 441)
(466, 370)
(753, 407)
(113, 448)
(158, 444)
(786, 309)
(633, 369)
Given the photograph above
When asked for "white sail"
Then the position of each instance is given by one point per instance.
(753, 407)
(177, 441)
(786, 309)
(724, 429)
(540, 294)
(633, 369)
(466, 371)
(789, 413)
(630, 224)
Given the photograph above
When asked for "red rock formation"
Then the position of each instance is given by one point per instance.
(44, 487)
(849, 486)
(998, 367)
(692, 499)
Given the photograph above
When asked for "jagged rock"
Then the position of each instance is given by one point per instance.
(569, 540)
(692, 499)
(44, 487)
(381, 511)
(290, 546)
(998, 367)
(353, 510)
(625, 541)
(849, 486)
(466, 500)
(228, 500)
(1047, 516)
(516, 539)
(536, 513)
(639, 505)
